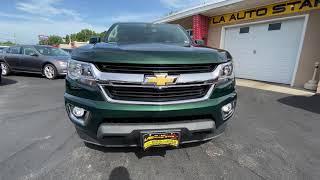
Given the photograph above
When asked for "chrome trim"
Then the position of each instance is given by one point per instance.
(150, 86)
(107, 98)
(119, 77)
(137, 80)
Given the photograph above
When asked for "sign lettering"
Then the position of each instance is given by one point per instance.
(289, 7)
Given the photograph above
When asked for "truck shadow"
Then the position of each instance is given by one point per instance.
(34, 75)
(311, 103)
(139, 152)
(119, 173)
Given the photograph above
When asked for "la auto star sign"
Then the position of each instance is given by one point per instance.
(288, 7)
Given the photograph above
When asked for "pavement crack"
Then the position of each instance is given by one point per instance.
(11, 156)
(252, 171)
(187, 154)
(31, 113)
(47, 164)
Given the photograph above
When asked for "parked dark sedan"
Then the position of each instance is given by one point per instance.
(0, 74)
(46, 60)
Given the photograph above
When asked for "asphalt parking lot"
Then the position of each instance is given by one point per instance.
(272, 136)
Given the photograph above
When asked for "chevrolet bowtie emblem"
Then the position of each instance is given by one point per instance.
(160, 79)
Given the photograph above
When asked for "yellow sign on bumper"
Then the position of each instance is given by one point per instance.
(161, 140)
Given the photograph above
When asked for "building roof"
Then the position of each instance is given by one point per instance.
(195, 10)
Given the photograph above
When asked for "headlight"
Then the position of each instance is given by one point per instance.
(62, 63)
(224, 71)
(227, 70)
(81, 71)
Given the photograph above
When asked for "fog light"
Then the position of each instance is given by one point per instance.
(227, 110)
(78, 112)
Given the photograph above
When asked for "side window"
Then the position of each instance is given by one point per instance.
(15, 50)
(190, 32)
(28, 51)
(113, 36)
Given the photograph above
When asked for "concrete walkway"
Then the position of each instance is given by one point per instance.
(273, 87)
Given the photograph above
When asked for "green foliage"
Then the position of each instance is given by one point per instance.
(67, 39)
(55, 40)
(103, 35)
(7, 43)
(52, 40)
(43, 42)
(83, 36)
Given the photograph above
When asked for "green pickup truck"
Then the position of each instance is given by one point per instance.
(149, 85)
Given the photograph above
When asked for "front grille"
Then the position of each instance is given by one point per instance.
(151, 69)
(151, 94)
(159, 119)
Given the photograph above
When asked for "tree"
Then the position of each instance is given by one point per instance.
(73, 37)
(54, 40)
(43, 42)
(67, 39)
(103, 35)
(85, 34)
(7, 43)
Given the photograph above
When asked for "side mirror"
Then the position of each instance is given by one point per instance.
(94, 40)
(199, 42)
(34, 55)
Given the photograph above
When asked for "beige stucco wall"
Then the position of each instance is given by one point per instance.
(310, 52)
(309, 55)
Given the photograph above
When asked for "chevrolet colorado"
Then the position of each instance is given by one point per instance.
(148, 85)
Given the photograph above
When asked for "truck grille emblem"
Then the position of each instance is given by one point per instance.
(160, 79)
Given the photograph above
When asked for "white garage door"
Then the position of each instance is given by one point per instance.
(265, 52)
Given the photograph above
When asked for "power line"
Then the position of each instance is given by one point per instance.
(10, 34)
(7, 39)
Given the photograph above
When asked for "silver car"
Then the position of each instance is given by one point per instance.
(46, 60)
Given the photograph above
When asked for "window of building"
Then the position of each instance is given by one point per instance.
(274, 27)
(244, 30)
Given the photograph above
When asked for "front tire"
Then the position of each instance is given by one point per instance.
(50, 71)
(5, 69)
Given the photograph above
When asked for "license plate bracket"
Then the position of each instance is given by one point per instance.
(166, 138)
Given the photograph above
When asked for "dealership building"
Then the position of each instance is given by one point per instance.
(270, 40)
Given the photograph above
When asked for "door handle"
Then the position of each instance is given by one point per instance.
(254, 51)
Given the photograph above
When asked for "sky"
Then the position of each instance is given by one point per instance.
(24, 20)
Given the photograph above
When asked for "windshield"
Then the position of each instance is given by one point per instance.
(147, 33)
(51, 51)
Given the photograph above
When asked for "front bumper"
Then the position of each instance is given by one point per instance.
(97, 128)
(62, 72)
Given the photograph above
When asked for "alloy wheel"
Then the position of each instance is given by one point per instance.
(4, 68)
(49, 72)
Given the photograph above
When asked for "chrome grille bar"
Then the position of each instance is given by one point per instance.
(137, 81)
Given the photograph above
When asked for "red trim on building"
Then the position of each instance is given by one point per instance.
(200, 27)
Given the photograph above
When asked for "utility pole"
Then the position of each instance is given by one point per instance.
(14, 38)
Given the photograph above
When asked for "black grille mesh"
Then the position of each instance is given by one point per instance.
(150, 94)
(150, 69)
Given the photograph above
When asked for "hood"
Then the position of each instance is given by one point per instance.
(153, 53)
